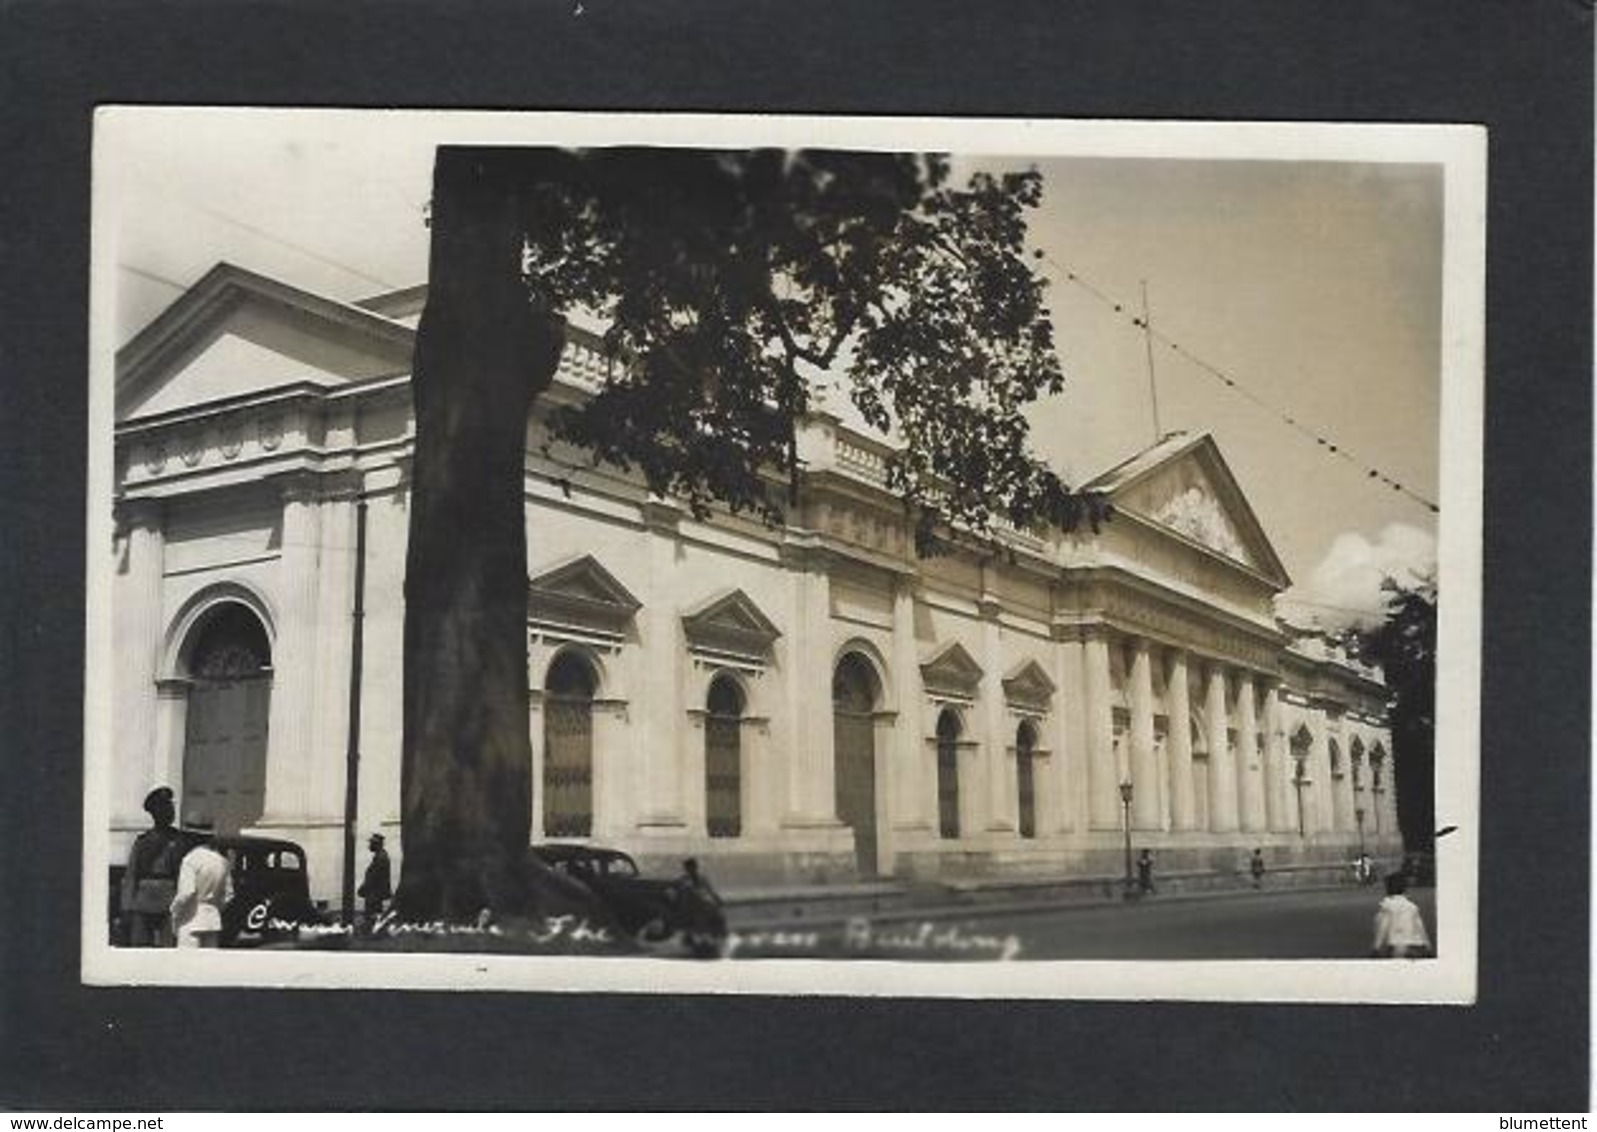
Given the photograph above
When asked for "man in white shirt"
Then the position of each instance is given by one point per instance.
(1399, 927)
(204, 886)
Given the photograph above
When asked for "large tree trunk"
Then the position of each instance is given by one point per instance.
(483, 353)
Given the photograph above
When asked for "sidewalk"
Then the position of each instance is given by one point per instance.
(821, 905)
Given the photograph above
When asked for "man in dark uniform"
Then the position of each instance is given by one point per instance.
(377, 886)
(150, 881)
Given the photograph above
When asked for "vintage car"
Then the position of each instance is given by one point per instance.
(271, 889)
(656, 912)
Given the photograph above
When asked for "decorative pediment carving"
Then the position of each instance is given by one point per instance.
(581, 592)
(1184, 485)
(730, 623)
(1028, 686)
(1194, 512)
(951, 671)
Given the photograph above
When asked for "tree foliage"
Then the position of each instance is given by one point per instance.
(1404, 645)
(728, 283)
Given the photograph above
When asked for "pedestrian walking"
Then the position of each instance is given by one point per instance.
(150, 881)
(377, 885)
(1145, 873)
(1256, 868)
(204, 887)
(1399, 926)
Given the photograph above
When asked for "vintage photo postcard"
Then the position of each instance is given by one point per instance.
(738, 554)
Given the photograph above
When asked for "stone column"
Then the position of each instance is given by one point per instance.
(1248, 755)
(812, 791)
(661, 743)
(1277, 808)
(1143, 764)
(1103, 780)
(1178, 743)
(1222, 765)
(291, 752)
(139, 764)
(915, 800)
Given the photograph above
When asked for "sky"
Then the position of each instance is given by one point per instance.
(1315, 285)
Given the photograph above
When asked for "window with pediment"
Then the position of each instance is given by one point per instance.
(580, 600)
(730, 629)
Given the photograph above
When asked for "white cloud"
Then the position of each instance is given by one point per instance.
(1345, 588)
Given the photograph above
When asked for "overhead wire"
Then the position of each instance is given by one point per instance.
(1230, 381)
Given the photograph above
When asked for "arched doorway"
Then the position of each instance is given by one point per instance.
(229, 662)
(568, 747)
(855, 690)
(723, 759)
(948, 730)
(1026, 778)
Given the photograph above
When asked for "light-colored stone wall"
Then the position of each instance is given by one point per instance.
(1160, 664)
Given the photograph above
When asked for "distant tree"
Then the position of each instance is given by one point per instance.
(1404, 645)
(727, 281)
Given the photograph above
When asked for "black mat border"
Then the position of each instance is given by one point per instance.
(1524, 69)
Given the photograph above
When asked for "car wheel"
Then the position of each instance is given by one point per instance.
(655, 931)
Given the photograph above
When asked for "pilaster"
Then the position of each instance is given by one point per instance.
(140, 763)
(665, 734)
(915, 797)
(812, 800)
(292, 726)
(997, 739)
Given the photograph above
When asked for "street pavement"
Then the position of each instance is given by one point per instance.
(1316, 924)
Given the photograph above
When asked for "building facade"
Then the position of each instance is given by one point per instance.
(806, 703)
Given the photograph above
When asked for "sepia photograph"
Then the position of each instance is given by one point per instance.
(784, 555)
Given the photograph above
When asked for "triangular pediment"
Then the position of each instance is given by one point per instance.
(1027, 685)
(235, 332)
(951, 670)
(1183, 485)
(580, 592)
(730, 622)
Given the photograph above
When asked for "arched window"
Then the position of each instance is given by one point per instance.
(948, 774)
(568, 747)
(723, 759)
(229, 662)
(1025, 778)
(1357, 759)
